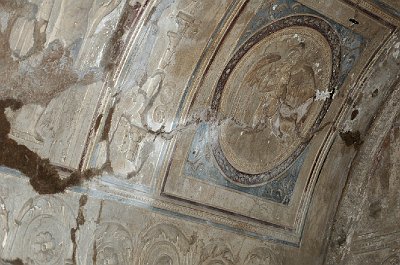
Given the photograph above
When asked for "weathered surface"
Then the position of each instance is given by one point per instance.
(199, 132)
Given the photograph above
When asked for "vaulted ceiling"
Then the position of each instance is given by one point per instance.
(199, 132)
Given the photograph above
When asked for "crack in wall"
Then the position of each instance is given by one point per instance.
(80, 220)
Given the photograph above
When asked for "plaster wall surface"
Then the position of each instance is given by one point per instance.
(190, 132)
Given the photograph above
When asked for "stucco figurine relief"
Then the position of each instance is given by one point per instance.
(143, 111)
(199, 132)
(268, 100)
(262, 118)
(261, 256)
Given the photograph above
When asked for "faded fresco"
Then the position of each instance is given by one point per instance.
(275, 79)
(191, 132)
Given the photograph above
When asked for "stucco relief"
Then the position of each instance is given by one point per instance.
(43, 231)
(102, 18)
(86, 24)
(217, 252)
(392, 260)
(273, 106)
(72, 37)
(112, 245)
(261, 256)
(251, 148)
(264, 101)
(143, 111)
(39, 127)
(164, 244)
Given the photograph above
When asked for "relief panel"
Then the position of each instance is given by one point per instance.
(43, 231)
(51, 131)
(377, 232)
(164, 244)
(149, 84)
(264, 121)
(217, 252)
(112, 244)
(73, 37)
(253, 154)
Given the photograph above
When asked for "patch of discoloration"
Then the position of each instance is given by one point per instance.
(351, 138)
(354, 114)
(11, 262)
(107, 125)
(80, 219)
(94, 256)
(41, 74)
(44, 177)
(128, 20)
(97, 123)
(37, 76)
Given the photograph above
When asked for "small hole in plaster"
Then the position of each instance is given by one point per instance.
(354, 114)
(374, 93)
(355, 22)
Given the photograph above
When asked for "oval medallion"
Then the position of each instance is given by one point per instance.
(265, 99)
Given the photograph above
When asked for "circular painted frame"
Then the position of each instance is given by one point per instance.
(331, 36)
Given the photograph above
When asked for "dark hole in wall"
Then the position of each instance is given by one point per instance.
(354, 114)
(355, 22)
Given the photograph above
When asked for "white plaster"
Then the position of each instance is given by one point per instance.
(322, 95)
(3, 244)
(396, 53)
(3, 21)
